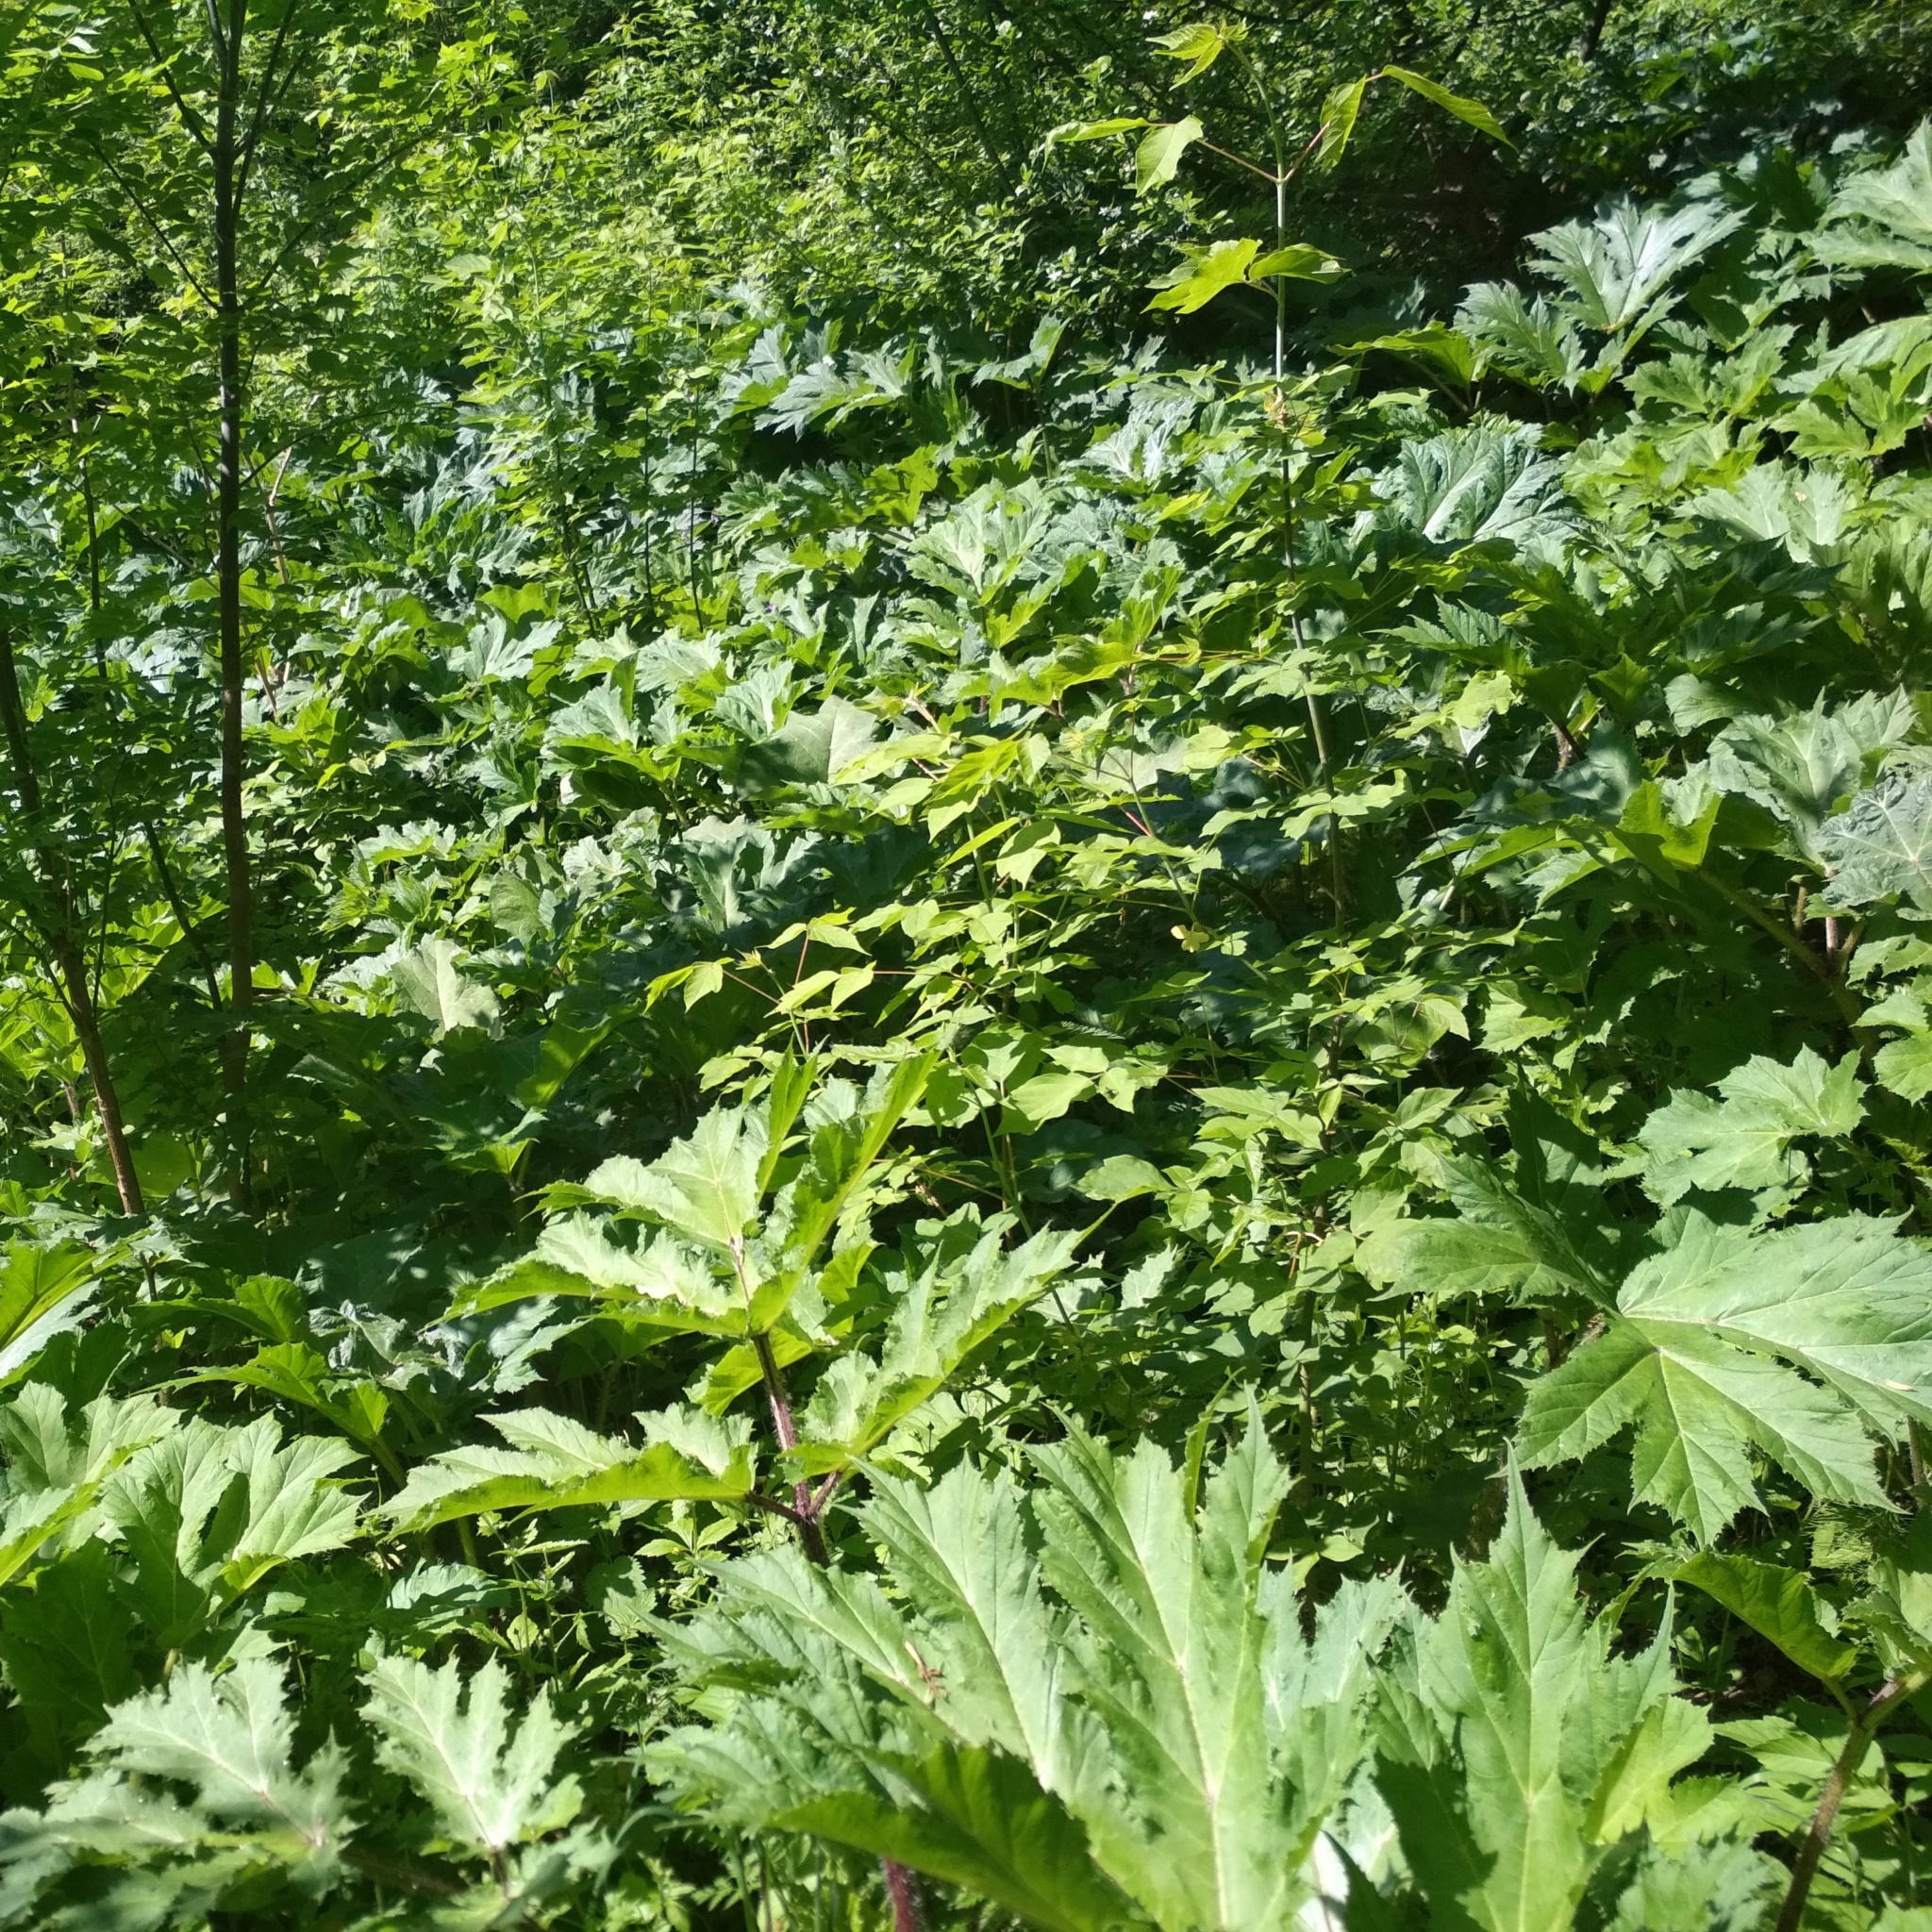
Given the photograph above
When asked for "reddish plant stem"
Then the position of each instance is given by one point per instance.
(805, 1509)
(903, 1893)
(902, 1888)
(1804, 1867)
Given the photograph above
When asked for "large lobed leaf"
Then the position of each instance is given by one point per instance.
(555, 1463)
(1702, 1361)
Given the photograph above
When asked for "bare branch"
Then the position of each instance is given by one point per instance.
(161, 235)
(164, 65)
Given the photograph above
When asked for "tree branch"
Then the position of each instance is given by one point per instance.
(164, 65)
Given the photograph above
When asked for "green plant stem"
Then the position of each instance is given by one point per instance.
(1843, 998)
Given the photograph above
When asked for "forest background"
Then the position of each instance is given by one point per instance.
(965, 967)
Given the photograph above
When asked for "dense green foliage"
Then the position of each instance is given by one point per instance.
(962, 970)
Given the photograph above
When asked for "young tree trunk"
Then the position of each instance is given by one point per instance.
(226, 159)
(63, 944)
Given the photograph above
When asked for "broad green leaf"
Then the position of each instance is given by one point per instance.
(1541, 1231)
(1045, 1097)
(69, 1643)
(1882, 217)
(982, 1823)
(1880, 846)
(1719, 1885)
(1474, 113)
(554, 1463)
(1779, 1605)
(1846, 1299)
(1300, 261)
(430, 981)
(1530, 340)
(704, 1187)
(962, 1547)
(811, 749)
(1696, 1361)
(1122, 1177)
(1546, 1728)
(231, 1738)
(1203, 274)
(1096, 131)
(1170, 1708)
(1802, 766)
(1656, 838)
(1199, 44)
(1744, 1139)
(840, 1156)
(937, 1321)
(54, 1473)
(207, 1513)
(1450, 1258)
(1475, 486)
(1200, 1836)
(1159, 155)
(662, 1283)
(296, 1373)
(1339, 112)
(1635, 1789)
(1904, 1066)
(1619, 267)
(45, 1291)
(492, 1784)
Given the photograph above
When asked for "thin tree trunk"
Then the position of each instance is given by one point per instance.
(227, 158)
(995, 157)
(70, 963)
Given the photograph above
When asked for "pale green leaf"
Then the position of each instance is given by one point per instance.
(1744, 1139)
(704, 1187)
(1880, 846)
(1882, 217)
(1904, 1066)
(1547, 1730)
(1474, 113)
(1300, 261)
(1693, 1363)
(985, 1824)
(1203, 274)
(492, 1784)
(430, 981)
(44, 1289)
(1199, 44)
(1339, 112)
(554, 1463)
(1159, 155)
(1095, 130)
(229, 1736)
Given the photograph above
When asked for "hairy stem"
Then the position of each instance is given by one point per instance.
(1804, 1867)
(805, 1509)
(903, 1893)
(901, 1887)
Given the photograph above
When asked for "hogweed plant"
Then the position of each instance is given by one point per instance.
(1039, 1125)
